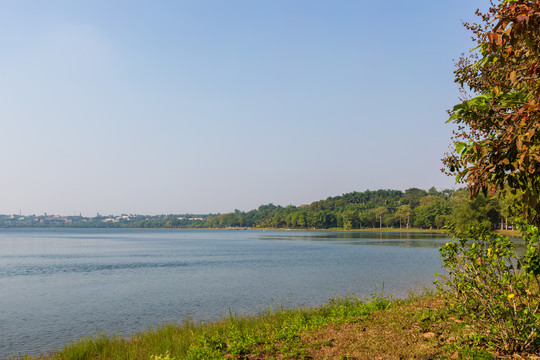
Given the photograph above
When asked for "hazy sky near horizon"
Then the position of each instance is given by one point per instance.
(208, 106)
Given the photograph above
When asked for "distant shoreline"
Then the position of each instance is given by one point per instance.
(509, 233)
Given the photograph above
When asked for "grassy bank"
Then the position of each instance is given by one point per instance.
(346, 328)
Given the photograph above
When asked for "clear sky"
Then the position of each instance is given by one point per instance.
(206, 106)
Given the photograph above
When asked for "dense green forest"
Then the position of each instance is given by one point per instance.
(412, 208)
(377, 209)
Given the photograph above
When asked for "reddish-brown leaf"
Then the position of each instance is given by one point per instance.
(522, 18)
(513, 76)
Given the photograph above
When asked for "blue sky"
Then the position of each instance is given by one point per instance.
(210, 106)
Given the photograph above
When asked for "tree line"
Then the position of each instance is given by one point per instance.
(413, 207)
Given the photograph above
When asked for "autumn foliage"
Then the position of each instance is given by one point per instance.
(497, 142)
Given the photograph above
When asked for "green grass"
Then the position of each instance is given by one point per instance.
(298, 333)
(234, 335)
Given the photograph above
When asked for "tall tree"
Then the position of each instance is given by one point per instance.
(412, 197)
(497, 147)
(429, 209)
(479, 211)
(404, 212)
(497, 141)
(380, 211)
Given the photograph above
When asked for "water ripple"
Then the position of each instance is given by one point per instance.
(52, 269)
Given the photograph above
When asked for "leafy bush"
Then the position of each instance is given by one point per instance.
(495, 288)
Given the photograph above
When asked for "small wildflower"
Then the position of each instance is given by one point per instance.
(510, 296)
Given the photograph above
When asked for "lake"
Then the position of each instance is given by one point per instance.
(61, 284)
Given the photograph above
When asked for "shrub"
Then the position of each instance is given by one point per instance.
(497, 290)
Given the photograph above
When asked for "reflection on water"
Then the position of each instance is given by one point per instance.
(60, 284)
(383, 238)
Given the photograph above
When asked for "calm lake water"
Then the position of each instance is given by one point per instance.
(58, 285)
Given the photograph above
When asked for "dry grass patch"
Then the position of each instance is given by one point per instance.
(397, 333)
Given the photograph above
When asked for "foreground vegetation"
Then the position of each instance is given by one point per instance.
(499, 290)
(345, 328)
(496, 149)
